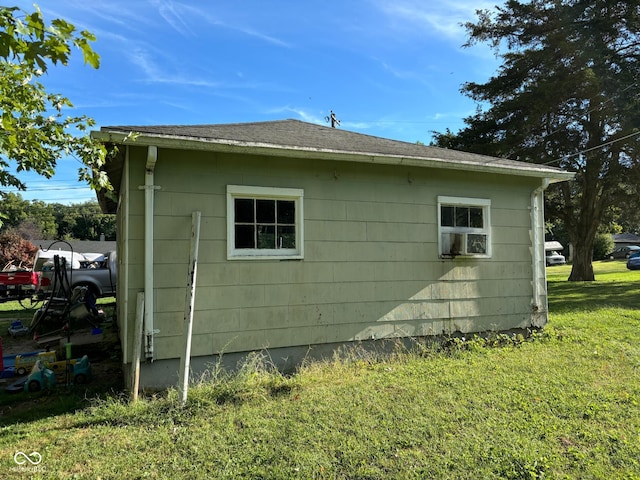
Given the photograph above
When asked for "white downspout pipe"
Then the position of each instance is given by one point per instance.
(122, 285)
(539, 266)
(149, 191)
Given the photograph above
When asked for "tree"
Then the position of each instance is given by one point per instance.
(565, 95)
(33, 218)
(84, 221)
(35, 131)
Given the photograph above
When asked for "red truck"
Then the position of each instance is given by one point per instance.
(18, 284)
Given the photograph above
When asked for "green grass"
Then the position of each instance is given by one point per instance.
(614, 285)
(565, 404)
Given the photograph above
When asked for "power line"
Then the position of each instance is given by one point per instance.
(43, 189)
(611, 142)
(588, 112)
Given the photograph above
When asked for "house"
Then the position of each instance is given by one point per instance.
(312, 237)
(625, 239)
(77, 246)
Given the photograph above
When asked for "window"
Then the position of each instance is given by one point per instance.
(465, 227)
(264, 222)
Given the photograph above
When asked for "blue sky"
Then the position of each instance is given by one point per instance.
(387, 68)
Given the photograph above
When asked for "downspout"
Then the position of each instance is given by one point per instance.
(539, 267)
(149, 190)
(123, 260)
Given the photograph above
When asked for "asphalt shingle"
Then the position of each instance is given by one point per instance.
(298, 135)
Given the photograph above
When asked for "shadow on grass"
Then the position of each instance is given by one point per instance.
(31, 407)
(579, 296)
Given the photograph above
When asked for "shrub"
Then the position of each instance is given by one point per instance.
(602, 245)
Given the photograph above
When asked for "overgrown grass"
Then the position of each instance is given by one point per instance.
(564, 405)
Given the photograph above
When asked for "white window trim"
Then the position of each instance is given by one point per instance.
(486, 230)
(276, 193)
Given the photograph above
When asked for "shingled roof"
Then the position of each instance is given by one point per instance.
(294, 138)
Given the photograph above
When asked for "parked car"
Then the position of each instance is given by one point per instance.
(634, 262)
(554, 258)
(624, 252)
(97, 272)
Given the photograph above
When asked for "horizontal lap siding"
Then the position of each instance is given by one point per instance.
(371, 266)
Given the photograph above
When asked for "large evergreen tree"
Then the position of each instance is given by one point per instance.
(566, 94)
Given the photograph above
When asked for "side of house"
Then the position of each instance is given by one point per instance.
(367, 252)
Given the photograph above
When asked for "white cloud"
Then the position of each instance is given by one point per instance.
(177, 12)
(442, 17)
(171, 12)
(303, 114)
(154, 74)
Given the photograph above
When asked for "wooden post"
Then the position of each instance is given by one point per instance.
(137, 347)
(183, 385)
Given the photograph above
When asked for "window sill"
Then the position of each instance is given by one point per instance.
(265, 257)
(449, 256)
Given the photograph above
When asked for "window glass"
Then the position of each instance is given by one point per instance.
(265, 211)
(446, 216)
(286, 212)
(266, 236)
(462, 217)
(245, 236)
(286, 237)
(475, 217)
(244, 211)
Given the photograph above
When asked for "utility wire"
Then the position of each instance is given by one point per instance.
(634, 134)
(588, 112)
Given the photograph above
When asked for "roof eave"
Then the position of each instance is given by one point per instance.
(233, 146)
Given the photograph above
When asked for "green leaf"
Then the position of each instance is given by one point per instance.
(34, 135)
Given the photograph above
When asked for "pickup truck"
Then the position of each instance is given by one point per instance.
(18, 284)
(94, 271)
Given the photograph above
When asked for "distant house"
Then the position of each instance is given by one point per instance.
(77, 246)
(313, 237)
(625, 239)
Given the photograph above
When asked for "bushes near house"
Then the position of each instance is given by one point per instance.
(603, 245)
(565, 404)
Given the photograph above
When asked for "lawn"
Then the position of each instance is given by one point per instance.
(565, 404)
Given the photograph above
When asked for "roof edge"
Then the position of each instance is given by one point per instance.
(233, 146)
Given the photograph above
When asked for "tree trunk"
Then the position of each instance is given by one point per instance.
(582, 267)
(582, 237)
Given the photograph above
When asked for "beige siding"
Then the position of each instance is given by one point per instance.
(371, 266)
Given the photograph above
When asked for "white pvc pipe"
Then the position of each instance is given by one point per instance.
(123, 262)
(149, 190)
(189, 302)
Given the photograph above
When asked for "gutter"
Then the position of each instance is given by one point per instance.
(539, 267)
(149, 190)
